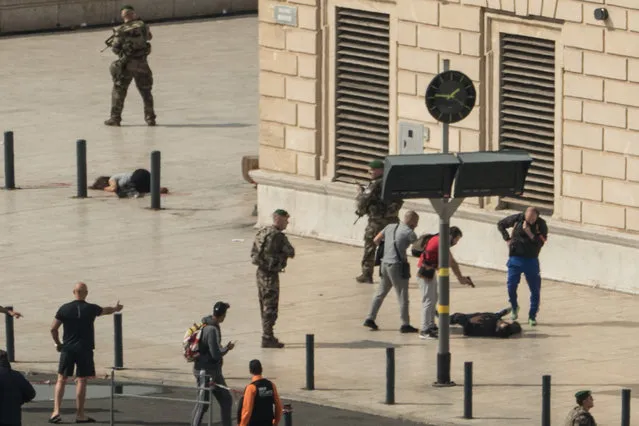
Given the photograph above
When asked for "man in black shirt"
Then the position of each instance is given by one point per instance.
(76, 348)
(528, 236)
(15, 390)
(486, 324)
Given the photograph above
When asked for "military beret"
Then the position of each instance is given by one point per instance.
(126, 7)
(281, 212)
(376, 164)
(581, 396)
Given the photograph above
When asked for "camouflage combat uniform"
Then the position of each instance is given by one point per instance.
(380, 214)
(580, 417)
(270, 253)
(131, 44)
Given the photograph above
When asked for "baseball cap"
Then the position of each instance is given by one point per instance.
(220, 308)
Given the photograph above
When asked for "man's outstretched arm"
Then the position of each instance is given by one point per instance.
(10, 312)
(108, 310)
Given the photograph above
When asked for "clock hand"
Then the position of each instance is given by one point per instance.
(461, 103)
(452, 95)
(440, 95)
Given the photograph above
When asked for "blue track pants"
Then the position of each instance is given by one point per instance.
(530, 268)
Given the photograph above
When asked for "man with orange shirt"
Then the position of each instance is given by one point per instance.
(260, 405)
(426, 268)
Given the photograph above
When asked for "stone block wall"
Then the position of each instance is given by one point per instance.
(597, 142)
(290, 97)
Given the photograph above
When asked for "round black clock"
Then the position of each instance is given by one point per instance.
(450, 96)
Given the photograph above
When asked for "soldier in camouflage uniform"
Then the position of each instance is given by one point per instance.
(131, 44)
(580, 415)
(270, 253)
(369, 202)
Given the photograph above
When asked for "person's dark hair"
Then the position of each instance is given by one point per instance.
(255, 367)
(4, 359)
(509, 330)
(100, 183)
(220, 308)
(141, 181)
(455, 232)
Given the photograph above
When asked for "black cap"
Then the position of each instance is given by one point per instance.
(220, 308)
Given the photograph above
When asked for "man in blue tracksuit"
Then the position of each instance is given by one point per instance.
(528, 236)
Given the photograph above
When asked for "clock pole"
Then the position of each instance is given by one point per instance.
(443, 344)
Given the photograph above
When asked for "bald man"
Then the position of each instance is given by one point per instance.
(395, 269)
(76, 349)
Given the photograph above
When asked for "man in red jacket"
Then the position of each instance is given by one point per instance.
(426, 268)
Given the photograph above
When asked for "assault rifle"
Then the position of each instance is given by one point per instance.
(361, 190)
(108, 42)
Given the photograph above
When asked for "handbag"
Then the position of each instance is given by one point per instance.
(379, 253)
(405, 271)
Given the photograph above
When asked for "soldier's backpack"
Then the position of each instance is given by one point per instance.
(417, 248)
(191, 342)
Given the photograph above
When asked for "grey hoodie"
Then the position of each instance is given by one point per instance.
(211, 349)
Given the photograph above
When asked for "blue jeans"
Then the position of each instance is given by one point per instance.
(530, 268)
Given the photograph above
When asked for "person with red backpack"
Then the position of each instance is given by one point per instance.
(426, 268)
(209, 360)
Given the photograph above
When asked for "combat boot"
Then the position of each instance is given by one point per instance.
(271, 342)
(150, 120)
(364, 279)
(113, 121)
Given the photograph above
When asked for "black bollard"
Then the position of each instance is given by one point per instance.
(390, 376)
(625, 407)
(545, 401)
(81, 160)
(9, 167)
(288, 415)
(10, 335)
(118, 359)
(155, 180)
(310, 362)
(468, 390)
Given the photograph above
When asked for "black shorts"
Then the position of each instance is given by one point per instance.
(83, 360)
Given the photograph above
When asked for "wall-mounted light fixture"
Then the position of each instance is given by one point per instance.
(601, 14)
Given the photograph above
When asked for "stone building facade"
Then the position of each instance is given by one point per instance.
(343, 81)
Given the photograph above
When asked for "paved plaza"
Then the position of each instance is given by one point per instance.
(168, 267)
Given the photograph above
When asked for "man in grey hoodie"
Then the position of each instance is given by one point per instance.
(210, 361)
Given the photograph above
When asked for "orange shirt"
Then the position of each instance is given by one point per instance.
(249, 400)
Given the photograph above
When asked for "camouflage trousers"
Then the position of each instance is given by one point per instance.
(268, 287)
(122, 74)
(373, 228)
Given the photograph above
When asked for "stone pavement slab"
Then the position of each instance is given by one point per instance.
(169, 267)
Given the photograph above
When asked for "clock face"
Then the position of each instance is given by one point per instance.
(450, 96)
